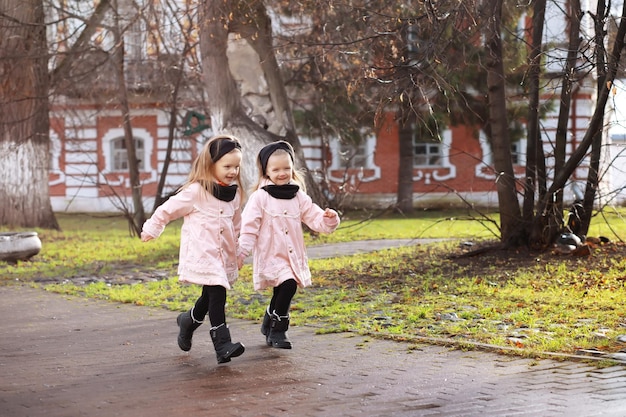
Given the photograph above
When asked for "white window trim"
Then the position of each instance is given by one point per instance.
(442, 172)
(116, 133)
(348, 174)
(55, 156)
(487, 160)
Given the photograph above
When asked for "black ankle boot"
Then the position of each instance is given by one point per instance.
(224, 347)
(187, 325)
(265, 326)
(278, 332)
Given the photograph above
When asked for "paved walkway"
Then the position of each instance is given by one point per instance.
(65, 356)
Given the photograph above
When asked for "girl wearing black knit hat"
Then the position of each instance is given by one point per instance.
(271, 228)
(209, 203)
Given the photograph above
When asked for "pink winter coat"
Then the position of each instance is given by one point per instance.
(271, 228)
(208, 237)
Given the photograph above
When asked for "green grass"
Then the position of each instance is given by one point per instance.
(534, 302)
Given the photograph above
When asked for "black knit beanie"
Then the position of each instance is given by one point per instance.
(220, 147)
(268, 150)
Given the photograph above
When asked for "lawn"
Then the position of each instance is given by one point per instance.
(521, 301)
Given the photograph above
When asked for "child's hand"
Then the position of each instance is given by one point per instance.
(146, 237)
(240, 260)
(330, 213)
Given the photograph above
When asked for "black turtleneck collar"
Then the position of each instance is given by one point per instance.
(283, 192)
(224, 192)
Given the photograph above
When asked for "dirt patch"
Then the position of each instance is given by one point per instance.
(486, 260)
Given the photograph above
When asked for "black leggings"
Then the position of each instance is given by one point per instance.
(281, 298)
(212, 301)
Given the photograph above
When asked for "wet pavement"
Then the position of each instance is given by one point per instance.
(69, 356)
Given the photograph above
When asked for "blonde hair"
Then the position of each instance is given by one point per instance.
(296, 175)
(203, 168)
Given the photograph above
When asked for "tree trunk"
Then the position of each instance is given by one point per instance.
(534, 146)
(593, 176)
(225, 107)
(24, 123)
(62, 70)
(511, 227)
(405, 169)
(171, 131)
(138, 217)
(218, 19)
(258, 32)
(554, 213)
(595, 125)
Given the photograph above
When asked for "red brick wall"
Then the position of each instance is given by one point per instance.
(465, 154)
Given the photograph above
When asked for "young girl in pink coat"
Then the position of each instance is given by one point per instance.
(209, 203)
(272, 229)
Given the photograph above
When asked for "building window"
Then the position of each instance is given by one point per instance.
(119, 155)
(352, 163)
(353, 156)
(134, 41)
(484, 168)
(427, 150)
(426, 154)
(515, 153)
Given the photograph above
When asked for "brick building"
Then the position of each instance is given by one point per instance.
(89, 169)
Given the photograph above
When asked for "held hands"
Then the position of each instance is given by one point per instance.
(240, 260)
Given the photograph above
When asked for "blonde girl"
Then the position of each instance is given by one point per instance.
(209, 203)
(272, 230)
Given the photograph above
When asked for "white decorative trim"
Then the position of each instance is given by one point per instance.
(428, 173)
(350, 176)
(116, 133)
(487, 161)
(55, 156)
